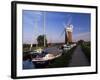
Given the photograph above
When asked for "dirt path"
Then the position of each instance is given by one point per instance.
(78, 58)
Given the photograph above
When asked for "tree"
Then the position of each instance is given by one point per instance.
(80, 41)
(40, 40)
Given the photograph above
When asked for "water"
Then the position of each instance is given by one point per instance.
(27, 64)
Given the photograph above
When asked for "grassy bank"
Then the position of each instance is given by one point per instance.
(87, 50)
(63, 60)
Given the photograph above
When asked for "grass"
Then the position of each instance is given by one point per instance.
(87, 51)
(63, 60)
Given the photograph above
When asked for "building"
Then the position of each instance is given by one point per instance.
(68, 34)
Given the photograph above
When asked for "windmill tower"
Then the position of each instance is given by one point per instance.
(68, 34)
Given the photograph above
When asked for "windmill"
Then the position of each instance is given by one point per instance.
(68, 29)
(68, 36)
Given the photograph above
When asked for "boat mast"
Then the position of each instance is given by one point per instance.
(35, 30)
(44, 29)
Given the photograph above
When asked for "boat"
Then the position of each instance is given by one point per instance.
(47, 56)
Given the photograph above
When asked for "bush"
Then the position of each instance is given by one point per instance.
(87, 51)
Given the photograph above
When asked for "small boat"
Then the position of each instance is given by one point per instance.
(47, 55)
(41, 58)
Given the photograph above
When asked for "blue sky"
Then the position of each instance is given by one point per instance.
(32, 23)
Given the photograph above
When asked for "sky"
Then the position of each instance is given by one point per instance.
(33, 25)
